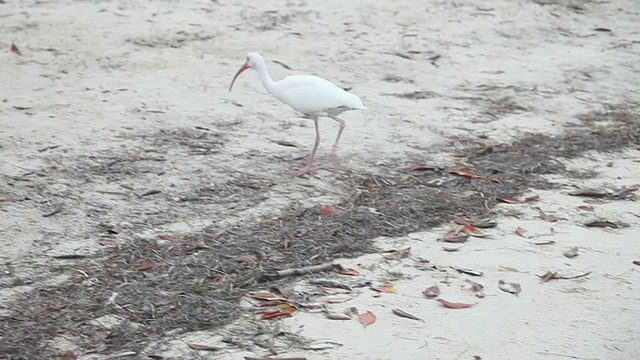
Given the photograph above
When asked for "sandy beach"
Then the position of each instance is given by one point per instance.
(140, 201)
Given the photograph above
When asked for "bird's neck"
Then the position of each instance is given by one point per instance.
(265, 78)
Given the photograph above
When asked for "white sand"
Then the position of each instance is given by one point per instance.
(96, 75)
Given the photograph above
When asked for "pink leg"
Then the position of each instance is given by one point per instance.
(334, 148)
(308, 169)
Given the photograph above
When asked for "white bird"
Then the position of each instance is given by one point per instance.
(310, 95)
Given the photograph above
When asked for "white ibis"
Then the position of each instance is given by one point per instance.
(310, 95)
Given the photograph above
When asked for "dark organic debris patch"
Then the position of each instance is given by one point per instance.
(192, 281)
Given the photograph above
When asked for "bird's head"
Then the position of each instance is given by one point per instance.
(253, 61)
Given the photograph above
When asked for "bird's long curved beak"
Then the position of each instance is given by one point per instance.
(243, 68)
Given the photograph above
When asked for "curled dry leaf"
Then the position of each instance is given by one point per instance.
(336, 299)
(333, 316)
(385, 289)
(202, 347)
(15, 50)
(451, 305)
(548, 276)
(352, 311)
(586, 208)
(521, 231)
(265, 296)
(405, 314)
(468, 271)
(452, 237)
(451, 248)
(431, 292)
(604, 223)
(367, 318)
(423, 265)
(474, 231)
(465, 173)
(287, 143)
(571, 253)
(421, 168)
(549, 217)
(399, 255)
(512, 288)
(328, 210)
(481, 223)
(247, 258)
(283, 310)
(512, 200)
(341, 270)
(146, 265)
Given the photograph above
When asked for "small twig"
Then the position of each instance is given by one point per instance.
(48, 148)
(558, 277)
(57, 210)
(300, 271)
(150, 192)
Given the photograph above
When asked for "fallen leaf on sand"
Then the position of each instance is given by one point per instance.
(465, 173)
(328, 210)
(549, 217)
(451, 248)
(468, 271)
(450, 305)
(405, 314)
(202, 347)
(336, 299)
(14, 49)
(521, 231)
(385, 289)
(265, 296)
(548, 276)
(107, 243)
(352, 311)
(452, 237)
(571, 253)
(341, 270)
(367, 318)
(512, 200)
(287, 143)
(474, 231)
(332, 316)
(398, 255)
(421, 168)
(284, 310)
(431, 292)
(247, 258)
(474, 286)
(603, 224)
(512, 288)
(423, 265)
(145, 265)
(481, 223)
(586, 208)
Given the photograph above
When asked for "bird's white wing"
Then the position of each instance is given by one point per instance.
(313, 95)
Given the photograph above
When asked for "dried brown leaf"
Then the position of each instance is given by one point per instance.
(333, 316)
(367, 318)
(405, 314)
(586, 208)
(422, 168)
(399, 254)
(431, 292)
(202, 347)
(521, 231)
(512, 288)
(451, 305)
(146, 265)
